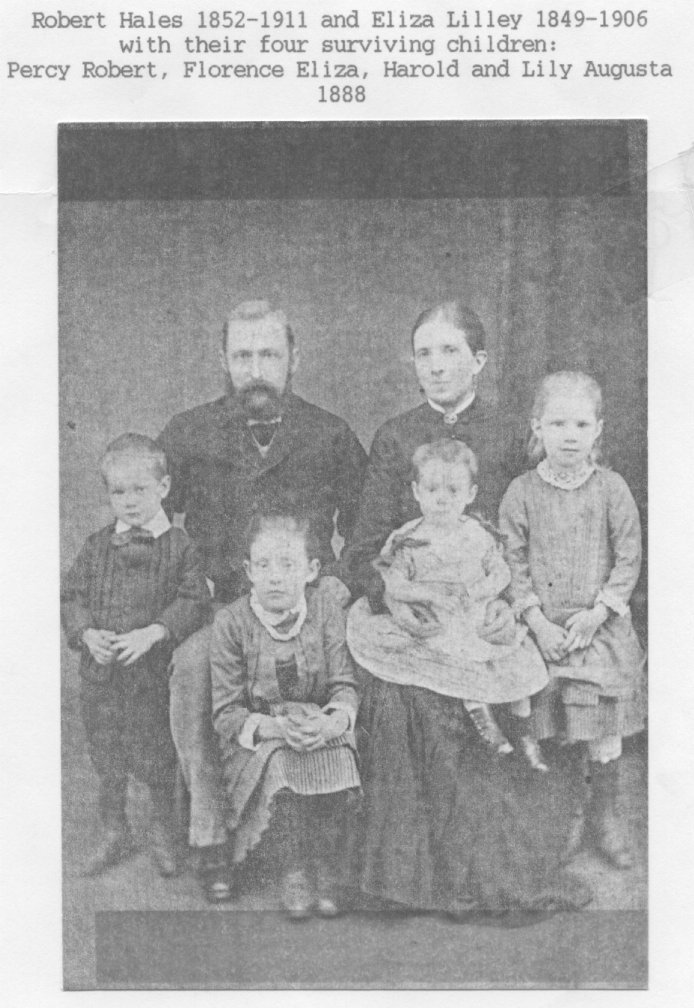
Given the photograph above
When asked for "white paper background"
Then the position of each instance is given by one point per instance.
(30, 944)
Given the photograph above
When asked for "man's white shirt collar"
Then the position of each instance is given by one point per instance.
(157, 525)
(450, 416)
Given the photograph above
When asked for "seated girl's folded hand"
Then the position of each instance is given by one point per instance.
(300, 733)
(330, 726)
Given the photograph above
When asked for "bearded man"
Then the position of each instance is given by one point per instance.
(259, 441)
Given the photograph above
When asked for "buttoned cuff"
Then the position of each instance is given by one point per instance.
(612, 602)
(246, 736)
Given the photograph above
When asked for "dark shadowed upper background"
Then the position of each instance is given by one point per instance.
(353, 229)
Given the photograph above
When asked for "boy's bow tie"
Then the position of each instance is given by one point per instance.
(132, 535)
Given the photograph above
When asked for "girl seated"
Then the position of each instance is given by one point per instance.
(284, 705)
(457, 555)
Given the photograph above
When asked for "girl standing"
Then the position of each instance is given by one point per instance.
(574, 548)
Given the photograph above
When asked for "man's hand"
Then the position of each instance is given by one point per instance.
(499, 625)
(133, 645)
(99, 643)
(581, 627)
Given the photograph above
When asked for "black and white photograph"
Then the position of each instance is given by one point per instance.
(353, 552)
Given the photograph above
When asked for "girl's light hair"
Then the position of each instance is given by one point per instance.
(560, 383)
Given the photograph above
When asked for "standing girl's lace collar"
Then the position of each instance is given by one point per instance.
(281, 626)
(565, 481)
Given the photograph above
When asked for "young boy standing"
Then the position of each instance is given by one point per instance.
(135, 591)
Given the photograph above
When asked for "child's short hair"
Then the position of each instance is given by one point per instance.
(446, 450)
(461, 317)
(288, 517)
(131, 447)
(561, 382)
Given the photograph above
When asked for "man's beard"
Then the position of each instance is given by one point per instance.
(260, 401)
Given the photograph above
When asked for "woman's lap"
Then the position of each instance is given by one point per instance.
(447, 825)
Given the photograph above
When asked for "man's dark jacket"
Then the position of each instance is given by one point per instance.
(218, 475)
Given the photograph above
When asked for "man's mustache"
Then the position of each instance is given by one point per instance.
(259, 386)
(260, 400)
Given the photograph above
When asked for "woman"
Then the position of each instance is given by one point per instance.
(448, 824)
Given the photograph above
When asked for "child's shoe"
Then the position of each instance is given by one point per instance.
(575, 838)
(326, 894)
(115, 845)
(297, 895)
(163, 849)
(488, 730)
(216, 874)
(610, 835)
(162, 832)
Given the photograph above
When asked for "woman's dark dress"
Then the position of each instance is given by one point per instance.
(449, 826)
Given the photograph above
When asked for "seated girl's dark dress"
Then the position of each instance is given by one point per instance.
(448, 825)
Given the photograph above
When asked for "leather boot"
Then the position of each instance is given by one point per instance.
(576, 836)
(610, 834)
(581, 783)
(290, 829)
(329, 819)
(216, 873)
(488, 730)
(162, 842)
(116, 842)
(115, 845)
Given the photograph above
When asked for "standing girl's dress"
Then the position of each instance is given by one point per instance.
(254, 672)
(457, 661)
(569, 548)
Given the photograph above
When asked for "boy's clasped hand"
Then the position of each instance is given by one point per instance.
(105, 646)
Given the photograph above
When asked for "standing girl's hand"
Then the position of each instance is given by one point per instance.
(582, 626)
(551, 638)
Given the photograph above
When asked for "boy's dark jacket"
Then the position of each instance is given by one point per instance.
(123, 586)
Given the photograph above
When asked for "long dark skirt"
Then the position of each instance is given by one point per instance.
(449, 826)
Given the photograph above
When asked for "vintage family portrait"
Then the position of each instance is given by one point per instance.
(353, 487)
